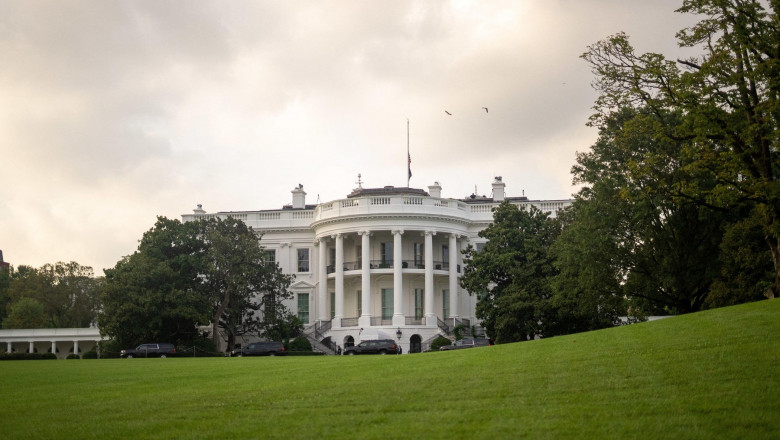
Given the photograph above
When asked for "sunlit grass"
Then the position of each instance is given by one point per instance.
(707, 375)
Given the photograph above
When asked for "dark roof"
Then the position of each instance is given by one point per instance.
(291, 208)
(386, 191)
(483, 199)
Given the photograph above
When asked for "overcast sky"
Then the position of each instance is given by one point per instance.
(112, 113)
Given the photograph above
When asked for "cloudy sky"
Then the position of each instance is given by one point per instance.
(112, 113)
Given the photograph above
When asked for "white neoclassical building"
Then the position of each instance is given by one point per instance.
(60, 341)
(382, 262)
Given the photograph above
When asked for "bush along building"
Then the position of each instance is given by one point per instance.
(380, 263)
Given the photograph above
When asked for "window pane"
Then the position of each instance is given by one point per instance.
(418, 303)
(387, 303)
(303, 307)
(303, 260)
(386, 253)
(332, 305)
(445, 301)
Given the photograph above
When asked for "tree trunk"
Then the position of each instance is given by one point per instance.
(215, 320)
(774, 246)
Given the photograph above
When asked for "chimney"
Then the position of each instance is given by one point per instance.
(299, 197)
(435, 190)
(199, 209)
(498, 189)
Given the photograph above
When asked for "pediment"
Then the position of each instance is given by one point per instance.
(301, 285)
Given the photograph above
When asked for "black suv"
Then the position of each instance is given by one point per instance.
(467, 343)
(149, 350)
(378, 346)
(260, 349)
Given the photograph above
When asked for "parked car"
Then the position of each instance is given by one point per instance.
(260, 349)
(467, 343)
(156, 349)
(376, 346)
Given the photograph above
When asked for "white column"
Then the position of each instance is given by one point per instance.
(365, 297)
(32, 347)
(453, 276)
(322, 288)
(398, 282)
(75, 347)
(430, 313)
(339, 281)
(8, 347)
(54, 347)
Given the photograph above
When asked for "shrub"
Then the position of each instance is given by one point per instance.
(204, 347)
(73, 356)
(26, 356)
(439, 342)
(301, 343)
(92, 354)
(458, 331)
(109, 349)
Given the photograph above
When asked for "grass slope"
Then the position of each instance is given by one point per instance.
(707, 375)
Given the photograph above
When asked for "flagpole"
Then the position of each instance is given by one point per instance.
(408, 156)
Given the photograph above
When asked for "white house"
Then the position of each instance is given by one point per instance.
(382, 262)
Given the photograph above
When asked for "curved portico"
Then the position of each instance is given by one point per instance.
(389, 260)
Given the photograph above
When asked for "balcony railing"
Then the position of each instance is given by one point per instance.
(388, 264)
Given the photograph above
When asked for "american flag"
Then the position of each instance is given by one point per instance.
(410, 165)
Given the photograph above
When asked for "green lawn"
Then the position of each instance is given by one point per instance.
(707, 375)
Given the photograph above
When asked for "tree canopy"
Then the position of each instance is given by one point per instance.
(720, 111)
(512, 277)
(65, 295)
(186, 275)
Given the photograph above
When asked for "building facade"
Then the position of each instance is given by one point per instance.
(380, 263)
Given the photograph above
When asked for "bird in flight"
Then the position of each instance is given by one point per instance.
(485, 108)
(445, 111)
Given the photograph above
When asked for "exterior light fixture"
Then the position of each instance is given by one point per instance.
(398, 333)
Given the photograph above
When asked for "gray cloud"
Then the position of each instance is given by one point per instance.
(114, 112)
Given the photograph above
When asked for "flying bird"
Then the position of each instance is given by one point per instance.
(485, 108)
(445, 111)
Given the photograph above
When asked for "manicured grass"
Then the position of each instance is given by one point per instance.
(707, 375)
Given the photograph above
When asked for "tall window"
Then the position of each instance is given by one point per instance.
(418, 303)
(480, 246)
(360, 302)
(419, 254)
(387, 303)
(445, 304)
(270, 256)
(359, 258)
(386, 253)
(332, 252)
(332, 305)
(303, 260)
(445, 254)
(303, 307)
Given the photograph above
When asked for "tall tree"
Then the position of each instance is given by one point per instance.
(25, 313)
(156, 294)
(724, 106)
(188, 274)
(628, 236)
(511, 276)
(247, 289)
